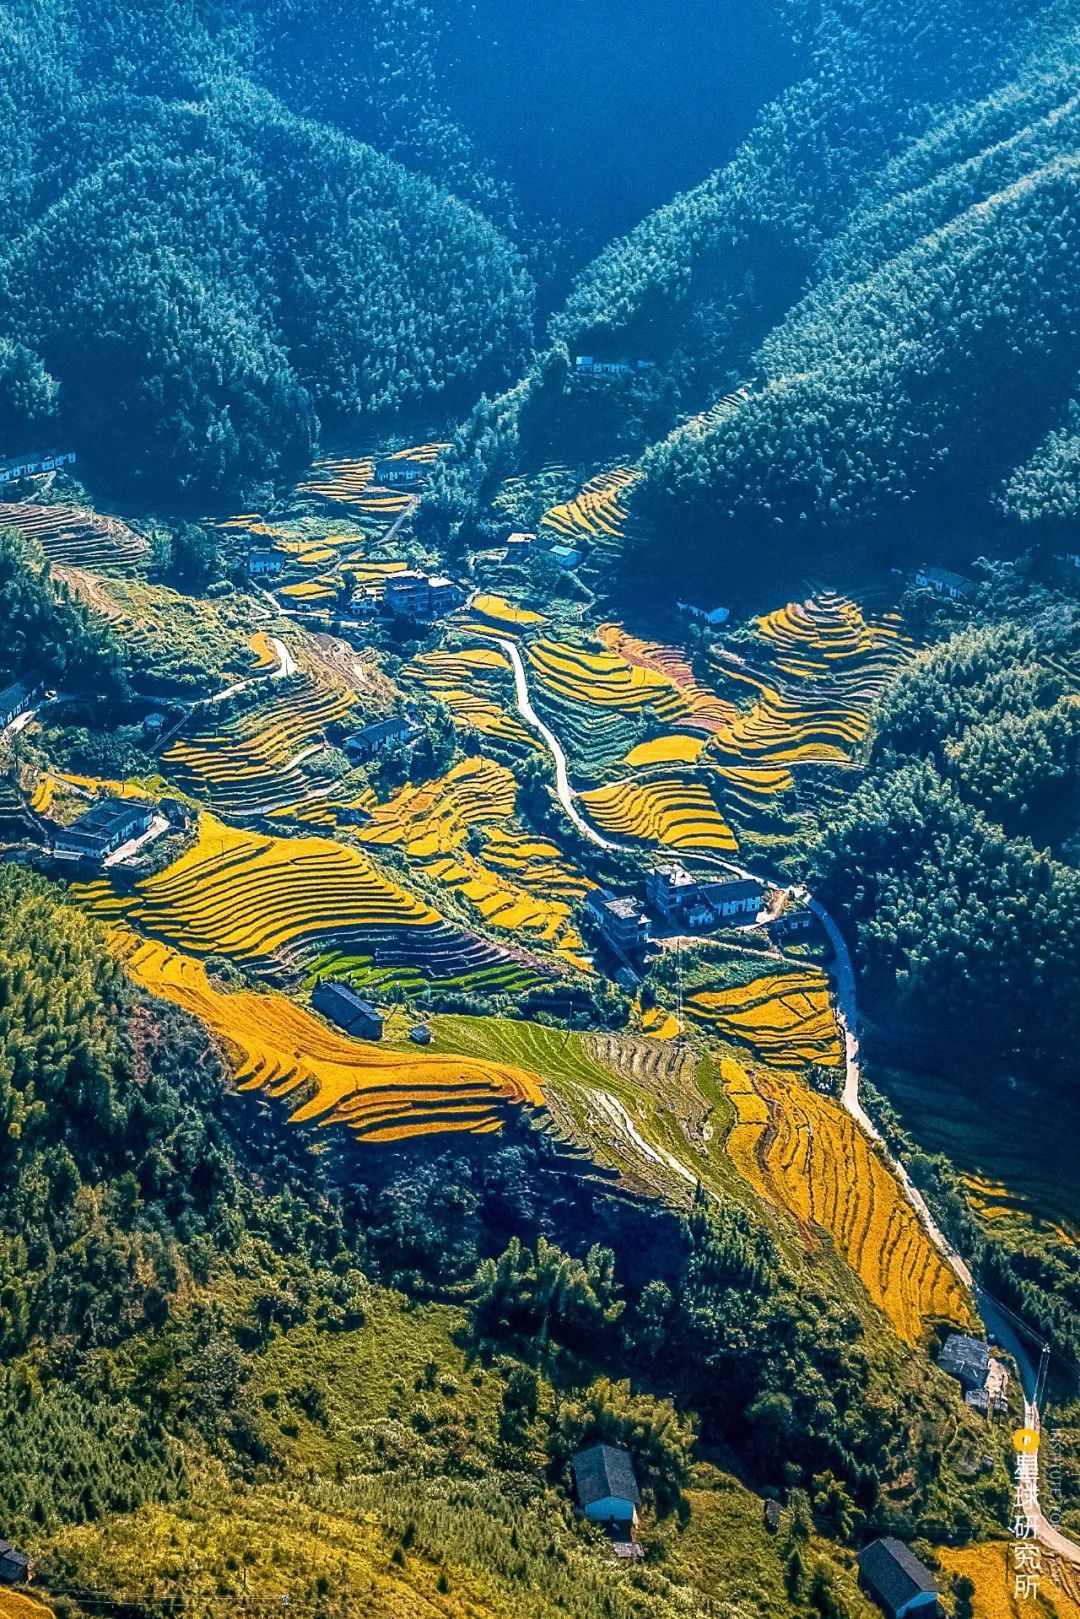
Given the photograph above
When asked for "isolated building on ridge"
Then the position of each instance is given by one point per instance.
(15, 1567)
(607, 1488)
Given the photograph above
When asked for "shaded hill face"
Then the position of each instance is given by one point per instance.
(892, 257)
(207, 276)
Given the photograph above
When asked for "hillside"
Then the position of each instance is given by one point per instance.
(889, 260)
(539, 809)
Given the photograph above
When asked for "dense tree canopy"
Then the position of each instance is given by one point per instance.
(955, 859)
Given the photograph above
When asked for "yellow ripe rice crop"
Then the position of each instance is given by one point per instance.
(574, 674)
(660, 1024)
(699, 706)
(805, 1154)
(988, 1567)
(785, 1018)
(265, 655)
(781, 730)
(308, 590)
(435, 818)
(252, 763)
(599, 512)
(682, 815)
(665, 750)
(16, 1605)
(503, 613)
(811, 637)
(253, 897)
(282, 1049)
(42, 796)
(432, 823)
(536, 863)
(464, 682)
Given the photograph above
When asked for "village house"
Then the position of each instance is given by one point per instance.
(899, 1583)
(681, 899)
(102, 829)
(670, 890)
(622, 920)
(564, 556)
(736, 901)
(945, 583)
(16, 698)
(28, 466)
(983, 1379)
(588, 366)
(343, 1006)
(793, 922)
(401, 469)
(421, 596)
(607, 1489)
(263, 563)
(377, 737)
(519, 545)
(707, 615)
(15, 1567)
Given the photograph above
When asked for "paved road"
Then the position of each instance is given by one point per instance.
(847, 1017)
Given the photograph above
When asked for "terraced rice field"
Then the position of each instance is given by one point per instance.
(174, 641)
(664, 810)
(673, 749)
(260, 760)
(526, 888)
(989, 1568)
(575, 674)
(503, 614)
(696, 706)
(805, 1154)
(74, 536)
(598, 513)
(287, 1052)
(474, 686)
(351, 479)
(284, 903)
(786, 1019)
(811, 638)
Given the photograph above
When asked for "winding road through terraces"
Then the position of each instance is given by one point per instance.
(996, 1324)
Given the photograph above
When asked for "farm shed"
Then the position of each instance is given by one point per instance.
(607, 1488)
(899, 1583)
(343, 1006)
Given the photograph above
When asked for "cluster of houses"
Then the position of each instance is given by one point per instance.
(586, 365)
(607, 1491)
(674, 898)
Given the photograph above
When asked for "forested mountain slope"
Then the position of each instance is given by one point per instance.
(891, 257)
(205, 274)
